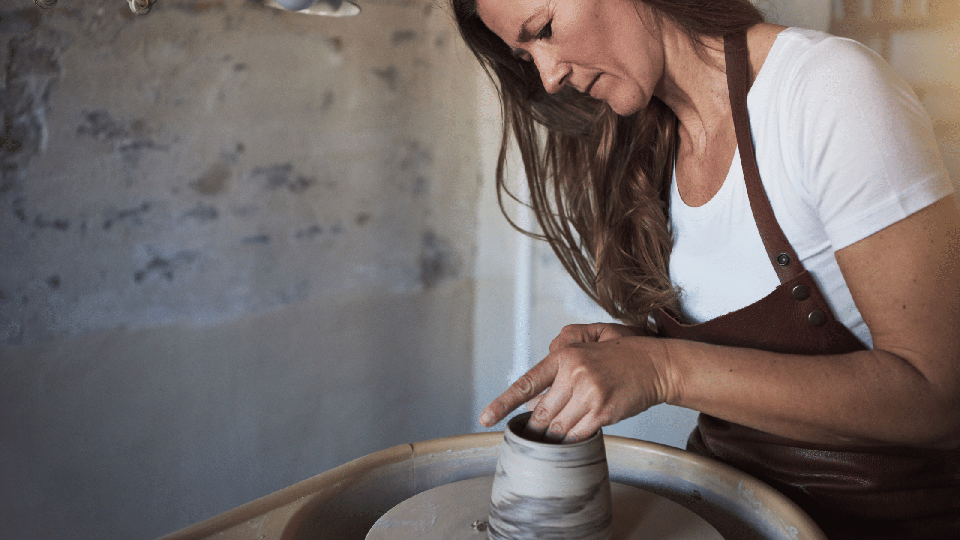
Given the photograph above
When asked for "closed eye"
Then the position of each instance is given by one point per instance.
(546, 31)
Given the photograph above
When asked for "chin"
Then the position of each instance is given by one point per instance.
(626, 107)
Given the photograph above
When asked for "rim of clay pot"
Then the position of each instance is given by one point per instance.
(516, 424)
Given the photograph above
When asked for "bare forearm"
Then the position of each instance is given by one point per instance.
(868, 397)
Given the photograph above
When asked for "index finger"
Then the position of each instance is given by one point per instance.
(527, 387)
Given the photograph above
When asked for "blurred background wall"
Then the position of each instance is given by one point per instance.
(236, 251)
(239, 247)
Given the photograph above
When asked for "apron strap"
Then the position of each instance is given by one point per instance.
(782, 256)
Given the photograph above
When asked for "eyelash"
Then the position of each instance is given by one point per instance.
(546, 31)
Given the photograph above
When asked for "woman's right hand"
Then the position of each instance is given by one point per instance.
(573, 334)
(595, 375)
(591, 333)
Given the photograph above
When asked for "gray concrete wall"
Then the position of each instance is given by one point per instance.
(235, 251)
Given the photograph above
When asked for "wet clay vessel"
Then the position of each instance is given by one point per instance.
(543, 490)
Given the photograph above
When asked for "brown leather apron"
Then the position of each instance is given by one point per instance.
(852, 492)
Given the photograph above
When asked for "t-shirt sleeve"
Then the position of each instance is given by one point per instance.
(865, 145)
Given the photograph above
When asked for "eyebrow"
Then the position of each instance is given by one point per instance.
(525, 35)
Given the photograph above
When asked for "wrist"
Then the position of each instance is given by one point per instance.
(669, 374)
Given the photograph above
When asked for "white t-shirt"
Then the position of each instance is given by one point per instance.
(844, 149)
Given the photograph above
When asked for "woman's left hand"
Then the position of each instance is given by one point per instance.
(594, 376)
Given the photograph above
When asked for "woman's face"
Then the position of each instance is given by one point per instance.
(605, 48)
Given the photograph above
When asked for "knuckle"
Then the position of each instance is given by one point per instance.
(525, 386)
(606, 418)
(540, 414)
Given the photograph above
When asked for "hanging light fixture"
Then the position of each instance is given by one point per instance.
(326, 8)
(141, 7)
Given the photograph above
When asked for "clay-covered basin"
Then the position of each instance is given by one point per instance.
(345, 502)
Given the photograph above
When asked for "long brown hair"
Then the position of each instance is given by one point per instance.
(598, 181)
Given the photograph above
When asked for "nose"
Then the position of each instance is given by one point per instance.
(552, 72)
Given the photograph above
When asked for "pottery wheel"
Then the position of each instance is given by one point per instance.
(458, 511)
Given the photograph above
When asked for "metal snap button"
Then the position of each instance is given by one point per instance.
(800, 292)
(783, 259)
(817, 318)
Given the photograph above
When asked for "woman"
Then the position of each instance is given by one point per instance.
(809, 276)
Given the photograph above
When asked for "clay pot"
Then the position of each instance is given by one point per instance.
(543, 490)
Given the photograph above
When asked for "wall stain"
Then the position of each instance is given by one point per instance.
(38, 221)
(256, 239)
(328, 98)
(20, 21)
(362, 218)
(53, 282)
(438, 259)
(412, 162)
(130, 216)
(99, 125)
(194, 6)
(402, 36)
(308, 232)
(245, 210)
(59, 224)
(281, 176)
(213, 181)
(129, 141)
(413, 155)
(389, 75)
(31, 71)
(201, 212)
(165, 267)
(103, 26)
(19, 211)
(29, 59)
(231, 156)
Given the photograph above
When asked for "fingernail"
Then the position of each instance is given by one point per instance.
(486, 418)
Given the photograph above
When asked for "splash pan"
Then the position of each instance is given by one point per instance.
(345, 502)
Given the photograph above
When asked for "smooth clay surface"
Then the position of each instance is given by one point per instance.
(450, 512)
(545, 491)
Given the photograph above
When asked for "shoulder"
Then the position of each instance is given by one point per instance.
(808, 60)
(814, 79)
(852, 135)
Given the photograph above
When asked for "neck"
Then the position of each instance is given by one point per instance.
(694, 86)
